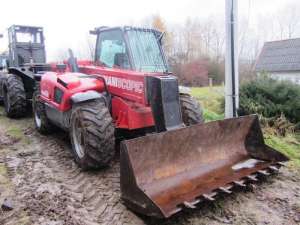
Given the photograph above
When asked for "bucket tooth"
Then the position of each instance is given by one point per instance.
(225, 190)
(240, 183)
(190, 205)
(252, 177)
(176, 210)
(280, 163)
(263, 172)
(210, 197)
(196, 201)
(274, 168)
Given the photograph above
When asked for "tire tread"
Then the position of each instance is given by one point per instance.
(99, 134)
(191, 110)
(17, 95)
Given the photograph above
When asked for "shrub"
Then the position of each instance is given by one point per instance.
(270, 98)
(216, 71)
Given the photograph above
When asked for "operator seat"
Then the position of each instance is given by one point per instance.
(121, 61)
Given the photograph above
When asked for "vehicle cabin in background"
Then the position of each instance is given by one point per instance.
(26, 59)
(281, 60)
(26, 45)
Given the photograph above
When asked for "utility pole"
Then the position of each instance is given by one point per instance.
(231, 60)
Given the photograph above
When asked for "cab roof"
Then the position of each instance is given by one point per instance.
(125, 28)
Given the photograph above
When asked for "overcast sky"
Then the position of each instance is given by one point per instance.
(67, 22)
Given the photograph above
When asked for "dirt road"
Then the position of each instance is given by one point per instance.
(44, 185)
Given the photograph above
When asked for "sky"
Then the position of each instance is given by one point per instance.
(67, 22)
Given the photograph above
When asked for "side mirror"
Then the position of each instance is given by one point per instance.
(1, 35)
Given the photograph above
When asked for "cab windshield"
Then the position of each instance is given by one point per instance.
(24, 37)
(146, 52)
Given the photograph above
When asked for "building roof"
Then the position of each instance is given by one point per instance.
(279, 56)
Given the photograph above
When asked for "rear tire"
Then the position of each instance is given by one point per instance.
(191, 110)
(2, 79)
(14, 97)
(42, 123)
(92, 134)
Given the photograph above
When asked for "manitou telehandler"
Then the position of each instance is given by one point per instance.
(26, 59)
(171, 160)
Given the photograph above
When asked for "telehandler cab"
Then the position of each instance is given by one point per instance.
(173, 160)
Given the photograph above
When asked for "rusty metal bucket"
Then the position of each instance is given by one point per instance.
(163, 173)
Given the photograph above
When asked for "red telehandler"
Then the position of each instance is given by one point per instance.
(169, 159)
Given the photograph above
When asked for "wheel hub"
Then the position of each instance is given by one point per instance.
(37, 119)
(78, 137)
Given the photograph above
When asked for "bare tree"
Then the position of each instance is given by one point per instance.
(287, 20)
(61, 54)
(91, 45)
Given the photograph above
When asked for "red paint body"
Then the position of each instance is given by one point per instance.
(130, 109)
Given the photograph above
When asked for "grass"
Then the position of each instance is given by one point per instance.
(13, 128)
(15, 132)
(211, 116)
(289, 145)
(210, 99)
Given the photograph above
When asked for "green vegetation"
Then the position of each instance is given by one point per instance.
(289, 145)
(15, 132)
(270, 98)
(211, 116)
(211, 100)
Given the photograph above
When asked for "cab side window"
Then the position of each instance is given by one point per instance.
(111, 50)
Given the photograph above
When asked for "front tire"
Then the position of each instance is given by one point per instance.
(191, 110)
(41, 122)
(14, 96)
(92, 134)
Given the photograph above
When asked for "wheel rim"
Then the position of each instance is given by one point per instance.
(78, 138)
(37, 119)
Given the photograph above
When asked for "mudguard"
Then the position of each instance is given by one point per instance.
(86, 96)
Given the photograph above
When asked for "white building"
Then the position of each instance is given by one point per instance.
(280, 59)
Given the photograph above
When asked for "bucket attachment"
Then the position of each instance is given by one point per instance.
(165, 172)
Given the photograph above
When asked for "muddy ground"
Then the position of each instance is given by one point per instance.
(43, 184)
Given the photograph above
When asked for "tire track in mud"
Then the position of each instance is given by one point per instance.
(52, 187)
